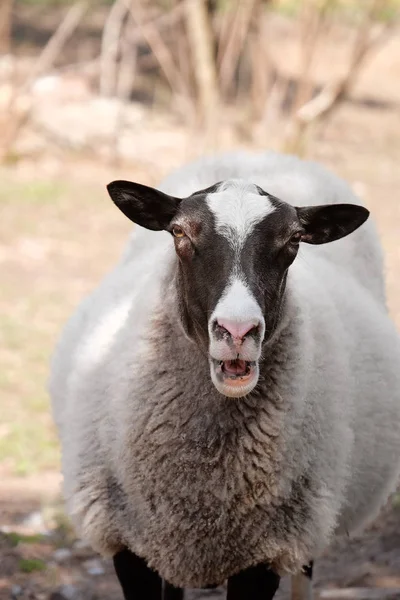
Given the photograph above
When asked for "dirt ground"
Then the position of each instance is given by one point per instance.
(62, 260)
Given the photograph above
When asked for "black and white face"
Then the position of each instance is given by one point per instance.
(234, 243)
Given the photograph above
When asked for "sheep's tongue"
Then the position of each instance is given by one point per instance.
(235, 367)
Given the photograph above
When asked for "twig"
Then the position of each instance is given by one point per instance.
(5, 26)
(125, 79)
(261, 62)
(312, 22)
(184, 62)
(234, 46)
(201, 42)
(163, 55)
(127, 68)
(57, 41)
(46, 59)
(112, 34)
(110, 45)
(334, 92)
(161, 22)
(223, 31)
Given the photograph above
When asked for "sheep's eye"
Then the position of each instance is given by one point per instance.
(178, 232)
(296, 238)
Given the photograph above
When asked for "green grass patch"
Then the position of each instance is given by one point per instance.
(16, 538)
(30, 565)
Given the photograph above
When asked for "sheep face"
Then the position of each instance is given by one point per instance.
(234, 243)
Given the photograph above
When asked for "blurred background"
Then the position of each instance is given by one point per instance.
(99, 90)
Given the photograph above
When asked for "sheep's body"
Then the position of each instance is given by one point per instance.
(202, 485)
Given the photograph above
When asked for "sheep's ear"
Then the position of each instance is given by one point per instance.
(330, 222)
(143, 205)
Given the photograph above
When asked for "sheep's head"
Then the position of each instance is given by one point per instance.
(235, 244)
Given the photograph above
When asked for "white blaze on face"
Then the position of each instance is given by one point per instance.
(237, 207)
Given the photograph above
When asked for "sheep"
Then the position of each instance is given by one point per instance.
(228, 399)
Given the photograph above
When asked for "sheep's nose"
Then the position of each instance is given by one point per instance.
(238, 330)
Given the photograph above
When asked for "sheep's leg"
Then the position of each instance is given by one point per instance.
(139, 582)
(302, 584)
(172, 593)
(255, 583)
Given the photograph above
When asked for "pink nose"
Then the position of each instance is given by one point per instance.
(237, 330)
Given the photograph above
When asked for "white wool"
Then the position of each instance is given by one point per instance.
(351, 407)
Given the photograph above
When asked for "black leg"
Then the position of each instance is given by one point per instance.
(138, 582)
(308, 569)
(255, 583)
(172, 593)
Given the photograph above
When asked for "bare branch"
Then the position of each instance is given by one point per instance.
(183, 54)
(5, 25)
(110, 45)
(128, 65)
(201, 42)
(161, 22)
(334, 92)
(57, 41)
(235, 43)
(313, 22)
(19, 103)
(163, 55)
(117, 40)
(261, 63)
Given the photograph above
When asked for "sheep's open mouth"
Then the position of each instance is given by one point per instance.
(237, 372)
(235, 368)
(234, 378)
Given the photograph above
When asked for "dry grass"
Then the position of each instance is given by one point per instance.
(56, 241)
